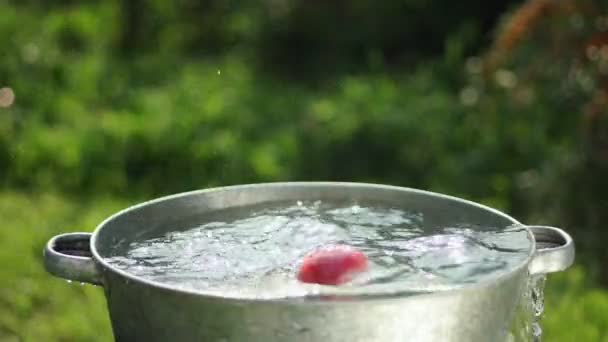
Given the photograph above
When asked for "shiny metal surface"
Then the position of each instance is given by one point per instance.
(142, 310)
(554, 250)
(68, 256)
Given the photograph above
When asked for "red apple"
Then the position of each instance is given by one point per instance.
(333, 265)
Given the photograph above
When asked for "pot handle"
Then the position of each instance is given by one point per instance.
(554, 250)
(68, 256)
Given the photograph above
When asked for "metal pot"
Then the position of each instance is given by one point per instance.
(143, 310)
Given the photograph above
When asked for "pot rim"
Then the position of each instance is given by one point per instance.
(314, 300)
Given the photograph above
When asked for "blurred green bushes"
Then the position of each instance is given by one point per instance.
(87, 120)
(121, 101)
(575, 308)
(213, 122)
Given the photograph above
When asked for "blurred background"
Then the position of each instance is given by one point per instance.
(106, 103)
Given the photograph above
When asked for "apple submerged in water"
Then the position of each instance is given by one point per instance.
(333, 265)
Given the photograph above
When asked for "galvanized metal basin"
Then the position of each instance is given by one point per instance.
(142, 310)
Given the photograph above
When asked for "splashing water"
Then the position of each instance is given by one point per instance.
(527, 327)
(537, 285)
(255, 251)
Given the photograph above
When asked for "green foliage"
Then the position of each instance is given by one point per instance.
(191, 132)
(121, 101)
(34, 306)
(575, 308)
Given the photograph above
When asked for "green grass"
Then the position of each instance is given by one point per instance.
(35, 306)
(576, 310)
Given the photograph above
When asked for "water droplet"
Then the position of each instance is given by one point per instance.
(81, 284)
(219, 71)
(69, 281)
(300, 203)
